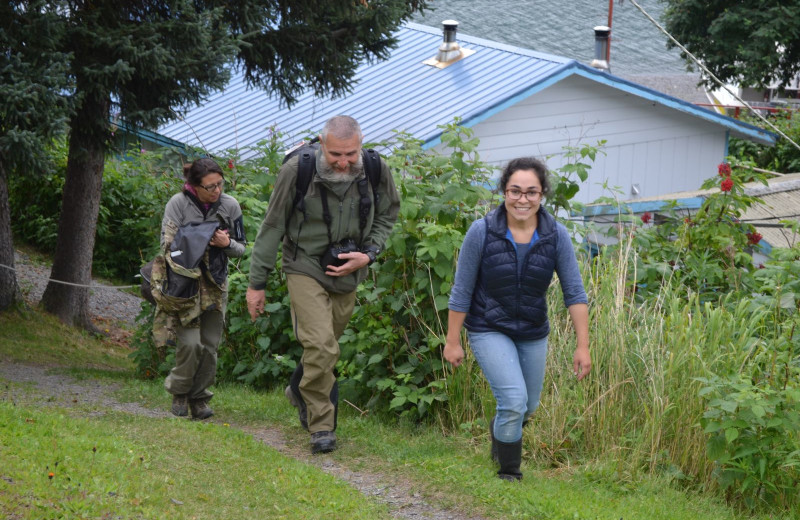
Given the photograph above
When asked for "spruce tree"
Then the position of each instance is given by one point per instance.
(33, 109)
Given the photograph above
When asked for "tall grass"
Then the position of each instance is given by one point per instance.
(639, 410)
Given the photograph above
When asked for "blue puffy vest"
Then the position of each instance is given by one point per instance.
(502, 300)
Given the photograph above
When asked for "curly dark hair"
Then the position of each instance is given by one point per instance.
(526, 163)
(195, 171)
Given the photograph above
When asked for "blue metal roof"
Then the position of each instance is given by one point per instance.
(404, 94)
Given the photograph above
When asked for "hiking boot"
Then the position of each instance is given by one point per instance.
(200, 409)
(298, 403)
(323, 442)
(180, 406)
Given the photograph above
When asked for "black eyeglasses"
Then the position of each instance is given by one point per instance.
(211, 188)
(515, 194)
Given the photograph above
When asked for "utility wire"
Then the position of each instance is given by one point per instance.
(716, 79)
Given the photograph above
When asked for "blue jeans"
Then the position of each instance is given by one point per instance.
(515, 371)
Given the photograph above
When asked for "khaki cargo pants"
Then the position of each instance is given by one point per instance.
(319, 318)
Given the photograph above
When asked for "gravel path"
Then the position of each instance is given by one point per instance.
(106, 304)
(119, 309)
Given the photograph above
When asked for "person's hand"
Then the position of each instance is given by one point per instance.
(454, 353)
(255, 302)
(355, 261)
(581, 362)
(220, 239)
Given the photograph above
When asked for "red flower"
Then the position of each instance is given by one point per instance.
(754, 238)
(727, 184)
(647, 217)
(724, 169)
(230, 164)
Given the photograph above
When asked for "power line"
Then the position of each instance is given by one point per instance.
(712, 76)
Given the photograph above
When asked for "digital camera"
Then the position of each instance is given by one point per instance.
(331, 256)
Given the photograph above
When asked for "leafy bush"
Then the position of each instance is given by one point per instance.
(784, 157)
(35, 201)
(709, 251)
(135, 190)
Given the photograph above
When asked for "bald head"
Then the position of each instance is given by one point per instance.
(342, 128)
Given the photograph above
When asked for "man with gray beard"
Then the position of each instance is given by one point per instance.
(324, 262)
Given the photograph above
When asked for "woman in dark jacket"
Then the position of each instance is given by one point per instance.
(505, 266)
(197, 328)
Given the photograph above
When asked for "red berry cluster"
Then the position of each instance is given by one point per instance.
(754, 238)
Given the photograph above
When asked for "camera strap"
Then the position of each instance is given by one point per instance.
(326, 212)
(364, 205)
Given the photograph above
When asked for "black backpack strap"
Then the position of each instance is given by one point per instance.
(372, 169)
(305, 170)
(364, 204)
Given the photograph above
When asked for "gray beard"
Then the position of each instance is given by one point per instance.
(328, 174)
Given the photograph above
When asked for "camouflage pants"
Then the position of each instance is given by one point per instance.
(319, 319)
(196, 357)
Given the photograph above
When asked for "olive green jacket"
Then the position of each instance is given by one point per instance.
(305, 242)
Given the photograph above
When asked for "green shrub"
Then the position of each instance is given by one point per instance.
(783, 157)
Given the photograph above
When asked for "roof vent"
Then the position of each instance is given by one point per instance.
(600, 61)
(449, 50)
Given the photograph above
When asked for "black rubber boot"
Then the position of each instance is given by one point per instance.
(509, 456)
(494, 441)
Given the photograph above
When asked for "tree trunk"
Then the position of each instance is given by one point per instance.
(9, 288)
(72, 261)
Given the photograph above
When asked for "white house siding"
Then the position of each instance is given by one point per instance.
(657, 147)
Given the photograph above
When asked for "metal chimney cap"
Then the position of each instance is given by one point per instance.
(602, 30)
(449, 50)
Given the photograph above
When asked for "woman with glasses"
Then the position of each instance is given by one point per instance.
(197, 333)
(505, 266)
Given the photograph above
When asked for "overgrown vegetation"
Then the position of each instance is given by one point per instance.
(695, 349)
(784, 157)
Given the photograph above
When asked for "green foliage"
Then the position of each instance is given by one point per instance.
(149, 361)
(565, 181)
(135, 203)
(752, 414)
(751, 42)
(752, 427)
(784, 157)
(709, 251)
(35, 200)
(33, 79)
(135, 190)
